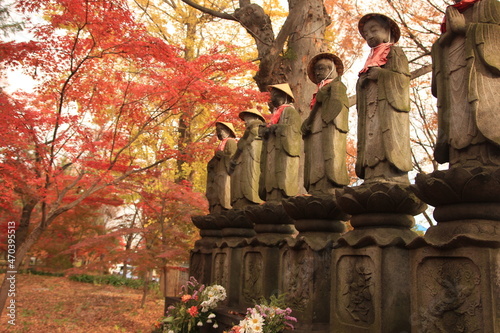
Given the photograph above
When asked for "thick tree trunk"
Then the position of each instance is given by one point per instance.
(305, 41)
(145, 289)
(283, 58)
(24, 222)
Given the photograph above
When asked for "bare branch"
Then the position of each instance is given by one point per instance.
(209, 11)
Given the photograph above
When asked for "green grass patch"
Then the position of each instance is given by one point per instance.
(114, 280)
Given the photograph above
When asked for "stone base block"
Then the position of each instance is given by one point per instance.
(456, 290)
(370, 290)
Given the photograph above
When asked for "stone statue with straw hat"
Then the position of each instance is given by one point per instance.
(281, 147)
(245, 163)
(383, 102)
(466, 82)
(325, 130)
(218, 178)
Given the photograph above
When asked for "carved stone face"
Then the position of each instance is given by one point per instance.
(248, 117)
(222, 132)
(278, 97)
(324, 69)
(376, 33)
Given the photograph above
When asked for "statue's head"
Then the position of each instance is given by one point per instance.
(281, 94)
(324, 66)
(224, 130)
(377, 29)
(250, 115)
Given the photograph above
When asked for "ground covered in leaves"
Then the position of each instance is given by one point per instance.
(56, 304)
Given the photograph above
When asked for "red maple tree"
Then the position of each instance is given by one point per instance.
(108, 92)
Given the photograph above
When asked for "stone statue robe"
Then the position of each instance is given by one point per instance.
(281, 157)
(218, 179)
(246, 175)
(325, 137)
(383, 121)
(466, 82)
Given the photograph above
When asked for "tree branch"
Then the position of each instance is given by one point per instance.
(212, 12)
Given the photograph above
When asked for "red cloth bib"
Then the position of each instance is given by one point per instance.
(222, 144)
(277, 114)
(320, 85)
(377, 57)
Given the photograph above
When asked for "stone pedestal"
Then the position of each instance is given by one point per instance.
(370, 290)
(261, 258)
(306, 259)
(467, 204)
(382, 214)
(200, 261)
(457, 265)
(317, 218)
(236, 228)
(370, 265)
(456, 289)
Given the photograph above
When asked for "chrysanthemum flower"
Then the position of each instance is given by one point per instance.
(193, 311)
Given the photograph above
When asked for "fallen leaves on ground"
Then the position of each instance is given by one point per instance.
(56, 304)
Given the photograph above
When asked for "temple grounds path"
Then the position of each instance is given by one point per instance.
(56, 304)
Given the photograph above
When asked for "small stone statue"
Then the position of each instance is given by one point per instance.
(466, 82)
(245, 163)
(325, 130)
(218, 179)
(281, 148)
(383, 102)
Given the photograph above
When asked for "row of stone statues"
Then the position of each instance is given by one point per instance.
(264, 163)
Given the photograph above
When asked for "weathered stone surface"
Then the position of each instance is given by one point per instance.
(380, 198)
(200, 261)
(456, 290)
(466, 81)
(325, 129)
(370, 290)
(271, 223)
(467, 205)
(305, 280)
(459, 185)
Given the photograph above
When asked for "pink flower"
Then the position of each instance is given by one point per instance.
(193, 311)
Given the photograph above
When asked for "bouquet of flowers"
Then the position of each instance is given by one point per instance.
(267, 317)
(193, 310)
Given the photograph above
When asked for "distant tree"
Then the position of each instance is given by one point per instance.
(7, 24)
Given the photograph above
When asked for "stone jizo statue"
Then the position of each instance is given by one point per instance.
(325, 130)
(466, 82)
(245, 163)
(281, 147)
(218, 179)
(383, 104)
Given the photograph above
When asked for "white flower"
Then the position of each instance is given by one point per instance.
(215, 325)
(199, 324)
(256, 328)
(212, 315)
(209, 321)
(243, 323)
(256, 320)
(170, 331)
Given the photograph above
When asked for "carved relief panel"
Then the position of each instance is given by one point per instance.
(449, 296)
(298, 271)
(221, 269)
(355, 290)
(253, 271)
